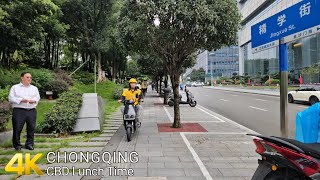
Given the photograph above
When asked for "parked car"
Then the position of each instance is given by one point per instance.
(197, 84)
(310, 94)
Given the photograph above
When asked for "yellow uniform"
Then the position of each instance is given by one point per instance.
(134, 95)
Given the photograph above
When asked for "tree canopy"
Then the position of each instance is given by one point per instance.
(174, 30)
(62, 34)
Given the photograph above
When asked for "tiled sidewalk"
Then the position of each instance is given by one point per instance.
(224, 152)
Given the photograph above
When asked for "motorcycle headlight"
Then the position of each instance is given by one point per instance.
(132, 116)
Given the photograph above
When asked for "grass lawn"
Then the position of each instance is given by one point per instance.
(105, 90)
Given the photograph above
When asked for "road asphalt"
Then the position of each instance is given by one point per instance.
(258, 112)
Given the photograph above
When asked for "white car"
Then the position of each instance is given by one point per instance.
(309, 94)
(196, 84)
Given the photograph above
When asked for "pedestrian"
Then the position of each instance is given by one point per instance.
(144, 87)
(24, 98)
(152, 86)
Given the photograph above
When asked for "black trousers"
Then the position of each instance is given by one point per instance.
(19, 118)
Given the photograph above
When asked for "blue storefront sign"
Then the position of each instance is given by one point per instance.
(297, 21)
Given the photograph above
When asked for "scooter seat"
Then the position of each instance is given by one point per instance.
(312, 149)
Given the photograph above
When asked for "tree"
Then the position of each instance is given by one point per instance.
(133, 69)
(175, 29)
(88, 20)
(198, 75)
(22, 28)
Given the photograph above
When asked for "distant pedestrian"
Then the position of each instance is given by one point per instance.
(152, 86)
(24, 98)
(144, 87)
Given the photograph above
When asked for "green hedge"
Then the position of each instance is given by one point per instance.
(4, 93)
(57, 86)
(117, 92)
(62, 117)
(273, 82)
(40, 78)
(5, 111)
(84, 77)
(63, 75)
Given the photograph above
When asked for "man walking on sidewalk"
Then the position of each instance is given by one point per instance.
(24, 98)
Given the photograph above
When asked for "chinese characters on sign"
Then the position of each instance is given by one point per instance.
(281, 19)
(305, 9)
(263, 28)
(295, 22)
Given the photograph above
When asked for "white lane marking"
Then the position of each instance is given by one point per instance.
(224, 100)
(196, 158)
(168, 114)
(160, 100)
(260, 100)
(219, 133)
(229, 120)
(210, 114)
(258, 108)
(202, 121)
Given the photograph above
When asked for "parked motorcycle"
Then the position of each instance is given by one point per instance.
(190, 99)
(286, 159)
(129, 118)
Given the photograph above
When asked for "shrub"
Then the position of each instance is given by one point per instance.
(9, 78)
(41, 78)
(4, 93)
(4, 114)
(63, 75)
(58, 86)
(273, 82)
(84, 77)
(117, 92)
(62, 117)
(125, 85)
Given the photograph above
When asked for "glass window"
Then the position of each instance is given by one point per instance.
(304, 59)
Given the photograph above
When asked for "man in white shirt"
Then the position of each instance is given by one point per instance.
(24, 98)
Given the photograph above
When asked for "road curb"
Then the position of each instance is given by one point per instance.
(246, 92)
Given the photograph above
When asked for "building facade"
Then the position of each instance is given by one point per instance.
(222, 62)
(302, 54)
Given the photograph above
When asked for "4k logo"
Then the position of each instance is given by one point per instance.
(29, 163)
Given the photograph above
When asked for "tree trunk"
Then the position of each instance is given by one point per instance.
(99, 68)
(57, 55)
(52, 55)
(160, 86)
(175, 87)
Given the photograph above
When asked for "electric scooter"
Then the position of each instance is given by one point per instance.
(286, 159)
(129, 118)
(190, 99)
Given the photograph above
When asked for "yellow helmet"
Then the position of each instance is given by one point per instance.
(132, 80)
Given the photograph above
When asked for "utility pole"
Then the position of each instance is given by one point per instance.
(211, 73)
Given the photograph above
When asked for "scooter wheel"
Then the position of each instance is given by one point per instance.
(193, 103)
(129, 134)
(170, 103)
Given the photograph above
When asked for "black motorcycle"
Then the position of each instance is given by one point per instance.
(190, 99)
